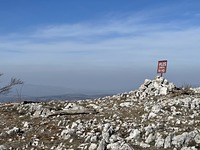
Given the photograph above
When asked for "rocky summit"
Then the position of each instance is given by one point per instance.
(156, 116)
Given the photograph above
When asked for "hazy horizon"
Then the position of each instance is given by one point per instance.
(99, 45)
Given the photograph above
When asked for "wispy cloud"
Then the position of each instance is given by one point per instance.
(130, 35)
(122, 47)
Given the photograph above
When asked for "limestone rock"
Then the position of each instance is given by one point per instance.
(150, 138)
(12, 131)
(113, 146)
(102, 145)
(181, 140)
(135, 134)
(2, 147)
(92, 146)
(163, 91)
(144, 145)
(189, 148)
(159, 142)
(126, 147)
(197, 138)
(168, 140)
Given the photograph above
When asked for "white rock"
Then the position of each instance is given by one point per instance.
(93, 139)
(178, 122)
(195, 104)
(165, 82)
(159, 142)
(138, 93)
(163, 91)
(190, 136)
(113, 138)
(156, 85)
(66, 133)
(156, 108)
(73, 106)
(179, 140)
(35, 142)
(125, 104)
(168, 141)
(74, 125)
(92, 146)
(189, 148)
(102, 145)
(2, 147)
(83, 146)
(87, 139)
(38, 111)
(135, 134)
(152, 115)
(147, 82)
(71, 140)
(113, 146)
(26, 125)
(45, 112)
(125, 146)
(143, 95)
(106, 136)
(197, 138)
(170, 118)
(148, 130)
(95, 106)
(176, 113)
(142, 88)
(173, 108)
(144, 145)
(150, 138)
(13, 130)
(59, 147)
(106, 127)
(159, 79)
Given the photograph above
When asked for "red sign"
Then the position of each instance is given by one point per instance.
(162, 66)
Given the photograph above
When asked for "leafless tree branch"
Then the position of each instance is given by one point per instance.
(6, 89)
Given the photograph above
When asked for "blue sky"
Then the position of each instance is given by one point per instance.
(107, 45)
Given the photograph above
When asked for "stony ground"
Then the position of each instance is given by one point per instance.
(156, 116)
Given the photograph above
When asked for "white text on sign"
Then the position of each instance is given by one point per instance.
(162, 66)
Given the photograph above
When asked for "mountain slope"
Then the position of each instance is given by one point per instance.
(156, 116)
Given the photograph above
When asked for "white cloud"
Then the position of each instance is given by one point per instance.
(108, 39)
(124, 48)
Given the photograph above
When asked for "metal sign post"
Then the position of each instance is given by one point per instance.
(162, 67)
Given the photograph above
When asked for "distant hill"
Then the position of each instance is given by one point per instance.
(73, 96)
(33, 92)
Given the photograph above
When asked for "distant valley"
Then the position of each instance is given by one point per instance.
(30, 92)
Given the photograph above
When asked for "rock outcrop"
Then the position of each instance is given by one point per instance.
(156, 116)
(159, 86)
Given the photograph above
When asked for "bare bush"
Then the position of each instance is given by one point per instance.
(186, 86)
(186, 89)
(6, 89)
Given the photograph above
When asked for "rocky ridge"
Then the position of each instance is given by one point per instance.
(156, 116)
